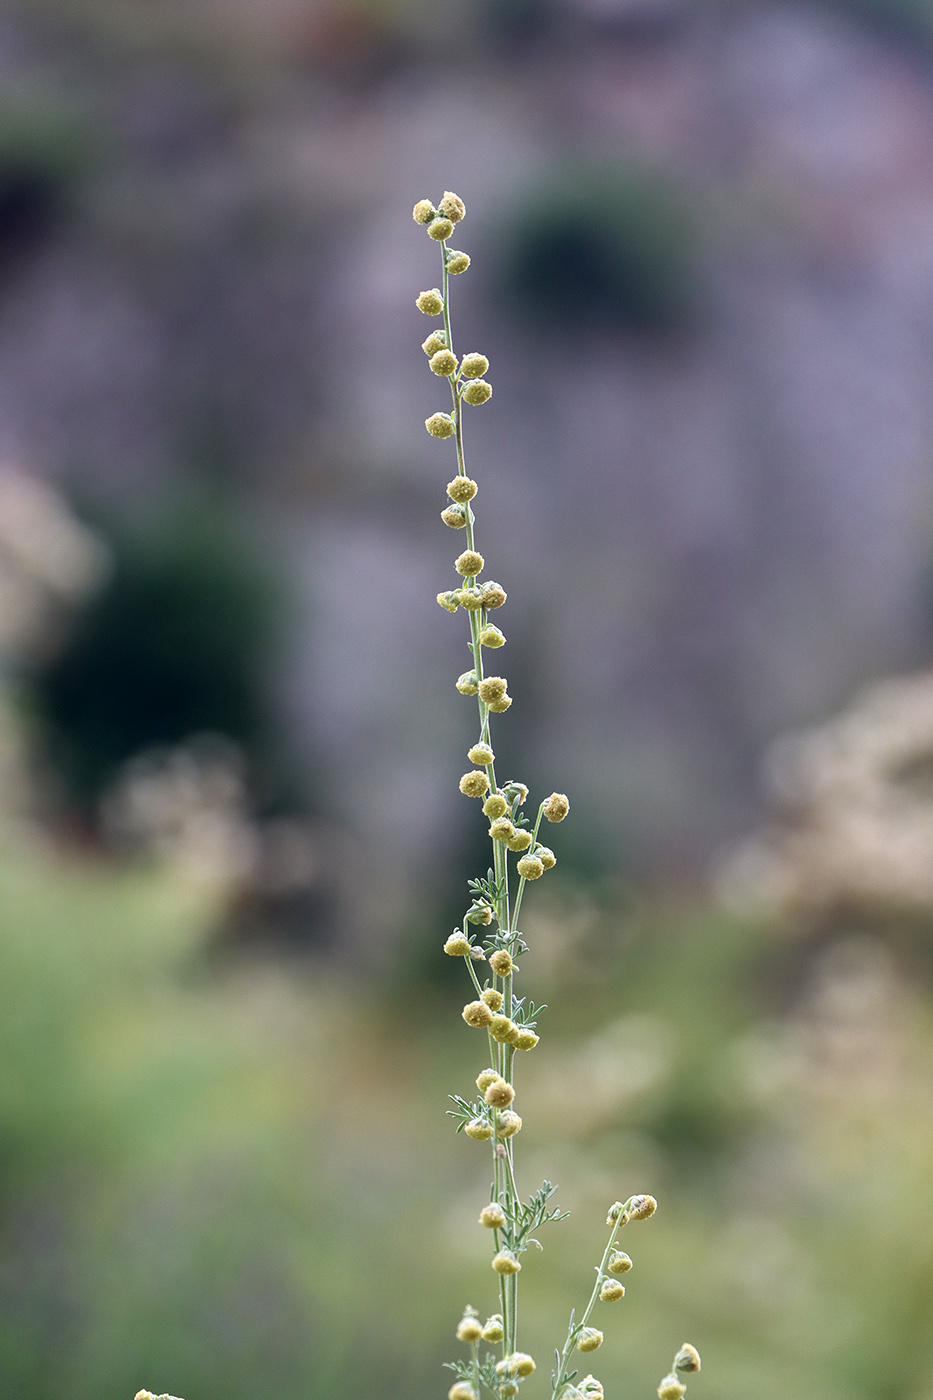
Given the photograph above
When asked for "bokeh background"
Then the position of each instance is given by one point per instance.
(231, 842)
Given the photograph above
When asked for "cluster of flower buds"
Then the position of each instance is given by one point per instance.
(686, 1362)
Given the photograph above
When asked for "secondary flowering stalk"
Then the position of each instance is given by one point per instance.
(507, 1019)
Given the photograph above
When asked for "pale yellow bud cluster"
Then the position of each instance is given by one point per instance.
(469, 1328)
(461, 489)
(477, 392)
(461, 1390)
(611, 1290)
(501, 963)
(479, 1129)
(590, 1339)
(474, 783)
(518, 1364)
(457, 262)
(481, 753)
(492, 1216)
(505, 1262)
(440, 425)
(493, 1331)
(430, 303)
(492, 998)
(499, 1094)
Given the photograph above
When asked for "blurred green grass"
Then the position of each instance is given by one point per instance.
(231, 1179)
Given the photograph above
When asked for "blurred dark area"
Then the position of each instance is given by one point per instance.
(232, 841)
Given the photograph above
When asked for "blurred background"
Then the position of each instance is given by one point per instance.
(231, 842)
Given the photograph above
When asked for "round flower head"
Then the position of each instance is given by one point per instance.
(619, 1262)
(509, 1124)
(589, 1339)
(493, 1331)
(507, 1389)
(501, 829)
(492, 688)
(480, 914)
(521, 1364)
(556, 807)
(500, 706)
(500, 1029)
(439, 229)
(478, 1129)
(530, 868)
(450, 601)
(526, 1039)
(492, 637)
(591, 1388)
(611, 1290)
(641, 1207)
(443, 362)
(467, 683)
(499, 1094)
(462, 489)
(485, 1078)
(430, 303)
(506, 1263)
(423, 212)
(437, 340)
(477, 1014)
(469, 563)
(493, 1000)
(495, 806)
(687, 1359)
(469, 1330)
(440, 425)
(520, 841)
(461, 1390)
(617, 1213)
(457, 945)
(474, 784)
(474, 365)
(493, 1217)
(546, 856)
(477, 392)
(671, 1388)
(457, 262)
(494, 595)
(481, 753)
(471, 599)
(454, 516)
(452, 207)
(500, 961)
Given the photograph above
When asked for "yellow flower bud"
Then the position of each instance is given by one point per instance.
(500, 961)
(671, 1388)
(619, 1262)
(493, 1000)
(493, 1217)
(477, 1014)
(481, 753)
(556, 807)
(521, 1364)
(506, 1263)
(430, 303)
(501, 829)
(477, 392)
(440, 229)
(423, 212)
(493, 1331)
(474, 784)
(440, 425)
(492, 688)
(494, 595)
(471, 599)
(641, 1207)
(495, 806)
(469, 1330)
(530, 868)
(520, 841)
(485, 1078)
(499, 1094)
(437, 340)
(450, 601)
(589, 1339)
(508, 1389)
(591, 1388)
(509, 1124)
(611, 1290)
(469, 563)
(687, 1359)
(480, 914)
(492, 637)
(444, 363)
(457, 262)
(467, 683)
(478, 1129)
(546, 856)
(500, 706)
(457, 945)
(452, 207)
(454, 516)
(474, 365)
(526, 1039)
(501, 1028)
(461, 1390)
(462, 488)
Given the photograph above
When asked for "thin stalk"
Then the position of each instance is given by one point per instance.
(574, 1330)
